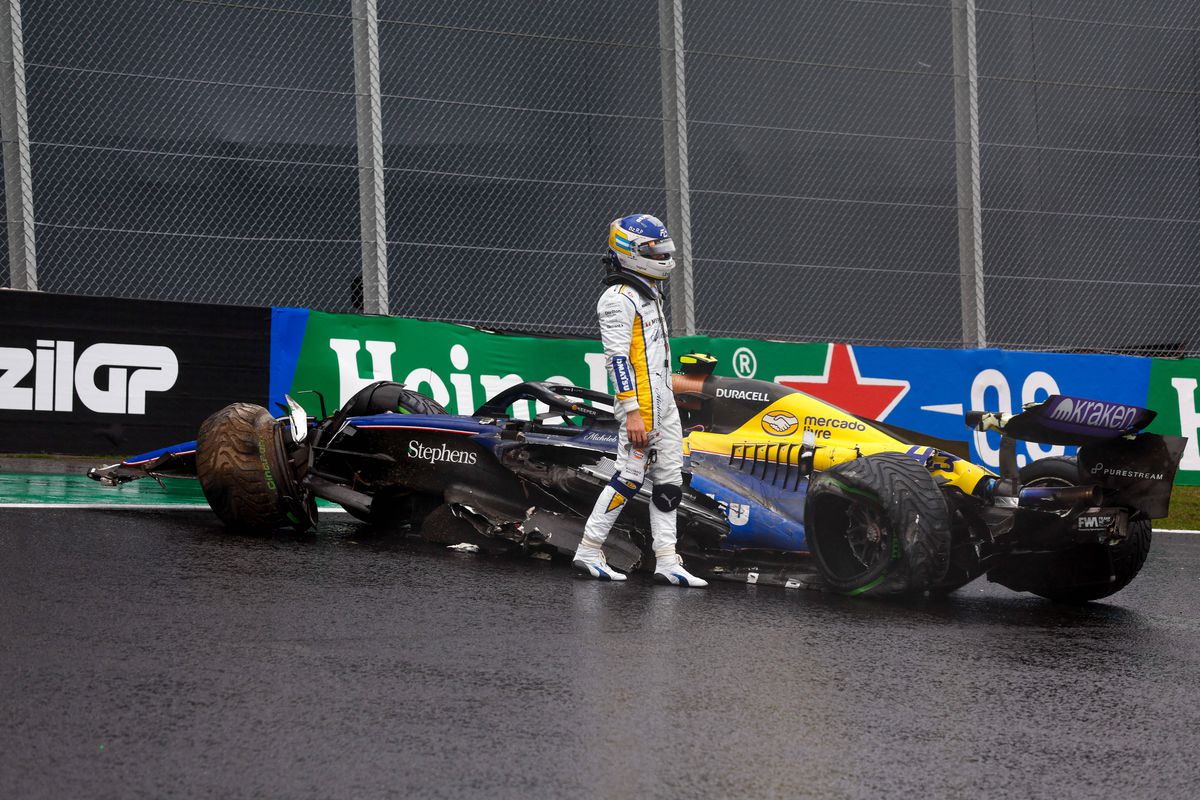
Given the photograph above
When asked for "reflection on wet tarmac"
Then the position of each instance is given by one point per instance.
(152, 653)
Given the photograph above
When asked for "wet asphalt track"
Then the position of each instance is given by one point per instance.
(146, 654)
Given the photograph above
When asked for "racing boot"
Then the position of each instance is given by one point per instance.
(590, 559)
(669, 569)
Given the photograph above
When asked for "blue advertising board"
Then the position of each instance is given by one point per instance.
(943, 384)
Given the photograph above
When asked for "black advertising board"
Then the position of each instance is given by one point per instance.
(105, 376)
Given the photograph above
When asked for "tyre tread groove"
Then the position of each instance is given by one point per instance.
(907, 491)
(230, 468)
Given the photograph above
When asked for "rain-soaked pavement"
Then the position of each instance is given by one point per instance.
(149, 654)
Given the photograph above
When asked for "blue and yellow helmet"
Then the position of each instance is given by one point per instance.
(640, 243)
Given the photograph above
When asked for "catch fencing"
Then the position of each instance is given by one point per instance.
(1007, 173)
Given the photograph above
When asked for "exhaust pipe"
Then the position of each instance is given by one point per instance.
(1059, 498)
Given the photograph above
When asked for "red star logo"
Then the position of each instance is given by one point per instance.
(843, 385)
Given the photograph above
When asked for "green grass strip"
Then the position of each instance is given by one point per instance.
(1185, 510)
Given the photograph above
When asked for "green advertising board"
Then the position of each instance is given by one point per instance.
(920, 389)
(461, 367)
(1174, 395)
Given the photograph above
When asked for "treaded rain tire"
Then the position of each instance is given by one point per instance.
(1128, 556)
(417, 403)
(239, 467)
(878, 524)
(1055, 576)
(1050, 471)
(1054, 581)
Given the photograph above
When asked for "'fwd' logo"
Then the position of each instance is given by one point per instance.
(108, 378)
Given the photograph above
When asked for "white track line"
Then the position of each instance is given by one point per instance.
(135, 506)
(118, 506)
(204, 507)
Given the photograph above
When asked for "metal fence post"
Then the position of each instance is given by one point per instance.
(966, 137)
(371, 203)
(675, 156)
(18, 175)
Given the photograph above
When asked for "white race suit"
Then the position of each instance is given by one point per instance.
(638, 353)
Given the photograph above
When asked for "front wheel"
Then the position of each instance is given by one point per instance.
(245, 473)
(878, 524)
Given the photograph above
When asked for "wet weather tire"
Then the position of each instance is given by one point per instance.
(1128, 555)
(878, 524)
(387, 396)
(240, 466)
(1055, 577)
(1051, 471)
(417, 403)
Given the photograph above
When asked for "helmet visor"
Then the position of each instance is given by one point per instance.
(657, 250)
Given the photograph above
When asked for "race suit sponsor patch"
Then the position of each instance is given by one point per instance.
(622, 374)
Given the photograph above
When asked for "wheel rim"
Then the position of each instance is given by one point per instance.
(851, 538)
(865, 534)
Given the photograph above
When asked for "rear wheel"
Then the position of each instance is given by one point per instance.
(1069, 576)
(385, 396)
(417, 403)
(878, 524)
(1052, 471)
(245, 474)
(1059, 579)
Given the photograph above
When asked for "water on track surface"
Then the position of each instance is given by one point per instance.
(29, 488)
(41, 489)
(151, 654)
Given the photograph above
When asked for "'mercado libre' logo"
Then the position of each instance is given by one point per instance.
(779, 423)
(433, 455)
(1094, 413)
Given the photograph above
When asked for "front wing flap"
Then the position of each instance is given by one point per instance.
(176, 461)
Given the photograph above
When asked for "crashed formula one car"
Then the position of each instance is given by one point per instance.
(780, 488)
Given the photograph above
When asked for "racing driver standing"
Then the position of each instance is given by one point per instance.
(650, 446)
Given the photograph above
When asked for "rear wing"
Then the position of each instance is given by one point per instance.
(1065, 420)
(1114, 452)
